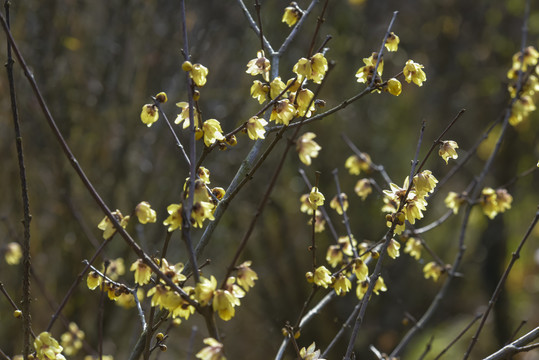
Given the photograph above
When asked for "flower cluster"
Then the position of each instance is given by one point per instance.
(494, 202)
(47, 348)
(290, 100)
(371, 72)
(413, 205)
(72, 339)
(204, 203)
(524, 103)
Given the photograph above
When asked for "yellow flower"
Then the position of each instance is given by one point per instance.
(246, 276)
(432, 270)
(198, 73)
(307, 148)
(304, 97)
(260, 65)
(107, 226)
(394, 87)
(319, 222)
(224, 303)
(174, 221)
(13, 253)
(255, 128)
(159, 294)
(413, 207)
(392, 42)
(342, 285)
(145, 213)
(93, 280)
(504, 200)
(259, 91)
(448, 150)
(529, 59)
(365, 73)
(413, 247)
(454, 201)
(424, 183)
(313, 69)
(316, 198)
(72, 339)
(379, 286)
(283, 111)
(291, 14)
(355, 164)
(412, 72)
(149, 114)
(521, 109)
(202, 210)
(393, 249)
(310, 353)
(204, 290)
(184, 115)
(334, 255)
(336, 204)
(212, 131)
(346, 244)
(204, 174)
(322, 277)
(178, 306)
(488, 202)
(161, 97)
(143, 272)
(218, 192)
(115, 268)
(306, 206)
(47, 348)
(360, 269)
(276, 87)
(363, 188)
(361, 289)
(214, 350)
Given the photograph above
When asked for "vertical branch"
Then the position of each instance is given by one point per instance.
(186, 226)
(344, 214)
(25, 201)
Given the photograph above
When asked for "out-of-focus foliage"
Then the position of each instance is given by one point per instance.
(98, 62)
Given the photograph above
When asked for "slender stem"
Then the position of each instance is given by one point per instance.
(27, 324)
(319, 23)
(253, 25)
(344, 214)
(381, 52)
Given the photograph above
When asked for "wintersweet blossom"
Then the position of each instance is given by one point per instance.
(259, 66)
(316, 198)
(13, 253)
(246, 276)
(108, 227)
(392, 42)
(432, 270)
(214, 350)
(363, 188)
(311, 353)
(224, 303)
(322, 277)
(47, 348)
(448, 150)
(356, 164)
(259, 91)
(255, 128)
(143, 272)
(145, 213)
(393, 249)
(413, 72)
(174, 221)
(149, 114)
(413, 248)
(394, 87)
(212, 132)
(283, 111)
(199, 73)
(307, 148)
(292, 14)
(313, 69)
(335, 203)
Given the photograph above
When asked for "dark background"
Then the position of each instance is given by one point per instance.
(97, 63)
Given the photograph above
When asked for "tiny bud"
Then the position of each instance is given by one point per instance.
(161, 97)
(196, 95)
(159, 336)
(17, 313)
(231, 140)
(187, 66)
(162, 347)
(284, 332)
(375, 254)
(222, 146)
(320, 103)
(389, 218)
(405, 321)
(297, 334)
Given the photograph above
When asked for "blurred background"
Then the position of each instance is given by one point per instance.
(97, 63)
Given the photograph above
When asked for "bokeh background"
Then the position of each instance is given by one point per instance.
(97, 63)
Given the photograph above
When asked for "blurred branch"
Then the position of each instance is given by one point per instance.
(501, 284)
(253, 25)
(476, 317)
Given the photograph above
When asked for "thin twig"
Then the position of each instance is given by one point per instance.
(344, 213)
(319, 23)
(25, 199)
(453, 342)
(516, 346)
(253, 25)
(427, 348)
